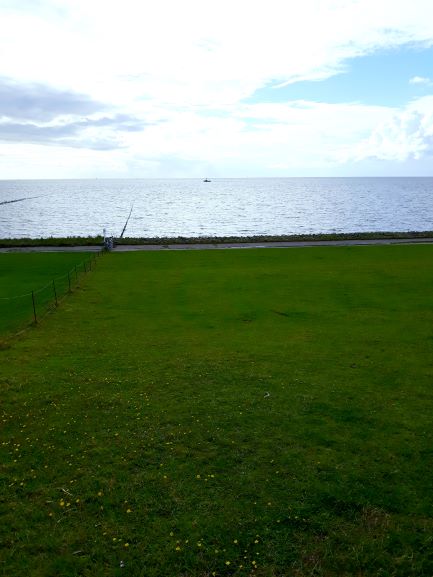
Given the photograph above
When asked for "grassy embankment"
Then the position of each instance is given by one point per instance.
(22, 274)
(263, 412)
(97, 240)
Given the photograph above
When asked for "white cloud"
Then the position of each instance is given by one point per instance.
(184, 68)
(199, 51)
(408, 134)
(420, 80)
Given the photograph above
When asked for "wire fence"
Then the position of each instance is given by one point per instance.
(18, 312)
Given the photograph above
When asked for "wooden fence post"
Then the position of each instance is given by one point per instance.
(55, 293)
(34, 309)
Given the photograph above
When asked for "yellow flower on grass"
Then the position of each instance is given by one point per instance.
(178, 548)
(235, 541)
(227, 562)
(129, 510)
(99, 493)
(126, 545)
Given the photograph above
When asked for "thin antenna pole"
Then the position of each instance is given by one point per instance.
(127, 220)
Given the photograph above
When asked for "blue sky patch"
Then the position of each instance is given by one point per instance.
(382, 78)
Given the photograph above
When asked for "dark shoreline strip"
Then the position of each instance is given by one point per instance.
(26, 198)
(222, 246)
(77, 241)
(17, 200)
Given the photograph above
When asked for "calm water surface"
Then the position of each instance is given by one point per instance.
(223, 207)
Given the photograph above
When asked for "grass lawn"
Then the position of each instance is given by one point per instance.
(198, 413)
(22, 273)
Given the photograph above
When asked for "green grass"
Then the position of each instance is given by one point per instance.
(20, 274)
(263, 408)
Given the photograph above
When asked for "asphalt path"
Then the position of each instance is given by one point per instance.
(221, 245)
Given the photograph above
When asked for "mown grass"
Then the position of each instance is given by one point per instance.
(20, 274)
(263, 412)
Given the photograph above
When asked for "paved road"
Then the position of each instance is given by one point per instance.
(276, 244)
(222, 245)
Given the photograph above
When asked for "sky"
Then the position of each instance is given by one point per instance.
(207, 88)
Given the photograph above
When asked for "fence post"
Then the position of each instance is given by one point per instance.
(34, 308)
(55, 293)
(69, 282)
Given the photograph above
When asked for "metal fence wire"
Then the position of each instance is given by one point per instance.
(20, 311)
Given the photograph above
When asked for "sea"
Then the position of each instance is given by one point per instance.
(222, 207)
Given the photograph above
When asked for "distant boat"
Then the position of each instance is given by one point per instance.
(206, 180)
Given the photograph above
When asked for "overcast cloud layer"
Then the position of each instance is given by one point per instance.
(167, 88)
